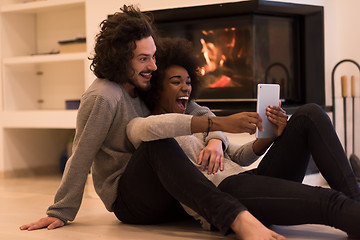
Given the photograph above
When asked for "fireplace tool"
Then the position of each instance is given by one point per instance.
(344, 96)
(354, 160)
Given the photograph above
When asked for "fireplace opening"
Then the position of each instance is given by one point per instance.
(245, 43)
(237, 53)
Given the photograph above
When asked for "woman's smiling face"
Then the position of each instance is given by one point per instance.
(176, 90)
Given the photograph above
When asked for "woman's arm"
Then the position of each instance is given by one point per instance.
(216, 142)
(212, 156)
(243, 155)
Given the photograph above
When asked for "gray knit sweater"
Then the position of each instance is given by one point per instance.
(101, 143)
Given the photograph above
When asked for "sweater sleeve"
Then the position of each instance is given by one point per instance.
(242, 154)
(197, 110)
(93, 122)
(157, 127)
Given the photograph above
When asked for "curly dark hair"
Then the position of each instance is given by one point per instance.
(116, 41)
(173, 51)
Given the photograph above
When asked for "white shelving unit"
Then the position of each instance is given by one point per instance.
(36, 80)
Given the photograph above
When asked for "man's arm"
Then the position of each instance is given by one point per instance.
(197, 110)
(156, 127)
(93, 122)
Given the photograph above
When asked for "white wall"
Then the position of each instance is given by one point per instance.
(348, 36)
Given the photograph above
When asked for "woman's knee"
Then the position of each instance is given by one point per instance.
(310, 108)
(310, 115)
(312, 111)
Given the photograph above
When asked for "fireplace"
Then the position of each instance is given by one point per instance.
(249, 42)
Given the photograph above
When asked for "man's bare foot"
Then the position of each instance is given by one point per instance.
(247, 227)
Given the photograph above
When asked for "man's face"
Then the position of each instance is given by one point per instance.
(143, 63)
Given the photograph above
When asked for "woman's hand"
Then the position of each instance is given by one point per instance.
(48, 222)
(277, 116)
(213, 156)
(247, 227)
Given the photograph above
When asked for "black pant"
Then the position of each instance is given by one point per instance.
(273, 192)
(159, 175)
(309, 131)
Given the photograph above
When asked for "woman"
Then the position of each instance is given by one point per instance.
(273, 192)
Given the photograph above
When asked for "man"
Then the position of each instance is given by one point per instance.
(143, 186)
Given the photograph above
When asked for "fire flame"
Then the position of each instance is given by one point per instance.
(215, 58)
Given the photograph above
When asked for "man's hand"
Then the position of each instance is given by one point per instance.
(244, 122)
(48, 222)
(213, 156)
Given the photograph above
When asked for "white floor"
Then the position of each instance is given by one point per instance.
(23, 200)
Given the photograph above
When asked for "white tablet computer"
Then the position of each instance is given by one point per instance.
(267, 94)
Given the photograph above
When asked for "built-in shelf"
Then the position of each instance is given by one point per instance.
(36, 81)
(34, 77)
(45, 58)
(43, 119)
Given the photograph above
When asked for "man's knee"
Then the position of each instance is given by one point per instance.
(161, 144)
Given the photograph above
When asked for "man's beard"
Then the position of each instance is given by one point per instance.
(139, 88)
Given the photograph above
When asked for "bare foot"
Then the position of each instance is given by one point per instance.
(247, 227)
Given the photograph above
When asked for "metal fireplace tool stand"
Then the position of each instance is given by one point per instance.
(354, 160)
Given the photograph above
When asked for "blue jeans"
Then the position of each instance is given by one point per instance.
(159, 175)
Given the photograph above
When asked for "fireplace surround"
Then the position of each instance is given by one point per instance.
(245, 43)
